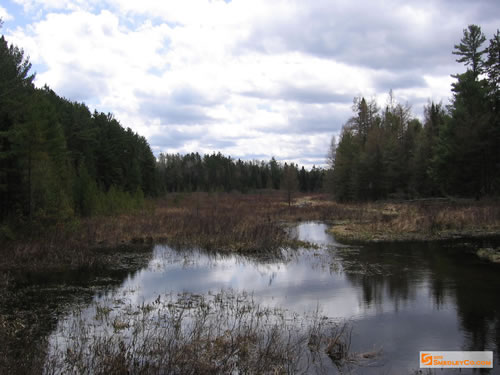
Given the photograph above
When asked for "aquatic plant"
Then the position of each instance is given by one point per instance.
(225, 332)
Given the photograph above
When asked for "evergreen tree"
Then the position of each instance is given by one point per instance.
(468, 136)
(470, 50)
(345, 169)
(16, 88)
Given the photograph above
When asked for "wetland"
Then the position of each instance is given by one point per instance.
(322, 307)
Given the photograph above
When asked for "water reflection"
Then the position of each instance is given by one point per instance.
(402, 298)
(33, 303)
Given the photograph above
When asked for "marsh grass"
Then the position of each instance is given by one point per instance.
(221, 222)
(220, 333)
(244, 223)
(420, 220)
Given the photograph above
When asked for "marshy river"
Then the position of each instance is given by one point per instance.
(398, 298)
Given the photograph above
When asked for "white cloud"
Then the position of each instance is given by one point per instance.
(4, 15)
(47, 5)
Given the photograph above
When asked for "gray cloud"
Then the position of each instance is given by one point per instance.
(310, 120)
(170, 113)
(171, 139)
(218, 143)
(308, 95)
(185, 106)
(188, 95)
(174, 138)
(386, 82)
(80, 85)
(372, 34)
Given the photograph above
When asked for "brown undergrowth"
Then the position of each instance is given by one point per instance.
(244, 223)
(421, 220)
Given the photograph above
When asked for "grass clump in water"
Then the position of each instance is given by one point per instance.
(191, 334)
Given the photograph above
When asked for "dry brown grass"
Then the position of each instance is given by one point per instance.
(246, 223)
(424, 220)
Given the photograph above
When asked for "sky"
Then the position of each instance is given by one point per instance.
(249, 78)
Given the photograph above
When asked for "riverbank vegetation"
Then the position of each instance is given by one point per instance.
(420, 220)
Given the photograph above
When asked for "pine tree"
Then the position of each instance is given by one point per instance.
(470, 50)
(469, 157)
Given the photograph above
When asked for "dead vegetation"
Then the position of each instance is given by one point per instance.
(245, 223)
(420, 220)
(222, 333)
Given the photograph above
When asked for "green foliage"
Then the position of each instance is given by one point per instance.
(117, 201)
(345, 167)
(86, 195)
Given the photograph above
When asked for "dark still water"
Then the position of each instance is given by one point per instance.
(401, 298)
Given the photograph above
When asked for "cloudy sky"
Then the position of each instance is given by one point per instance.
(250, 78)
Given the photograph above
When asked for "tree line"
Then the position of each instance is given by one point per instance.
(389, 153)
(217, 172)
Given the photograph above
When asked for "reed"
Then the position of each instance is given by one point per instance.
(221, 333)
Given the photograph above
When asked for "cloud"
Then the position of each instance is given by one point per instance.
(309, 95)
(385, 81)
(92, 53)
(188, 95)
(170, 113)
(182, 106)
(81, 86)
(47, 5)
(374, 34)
(171, 138)
(4, 15)
(319, 119)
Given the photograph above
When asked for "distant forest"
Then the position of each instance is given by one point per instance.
(217, 172)
(388, 153)
(58, 160)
